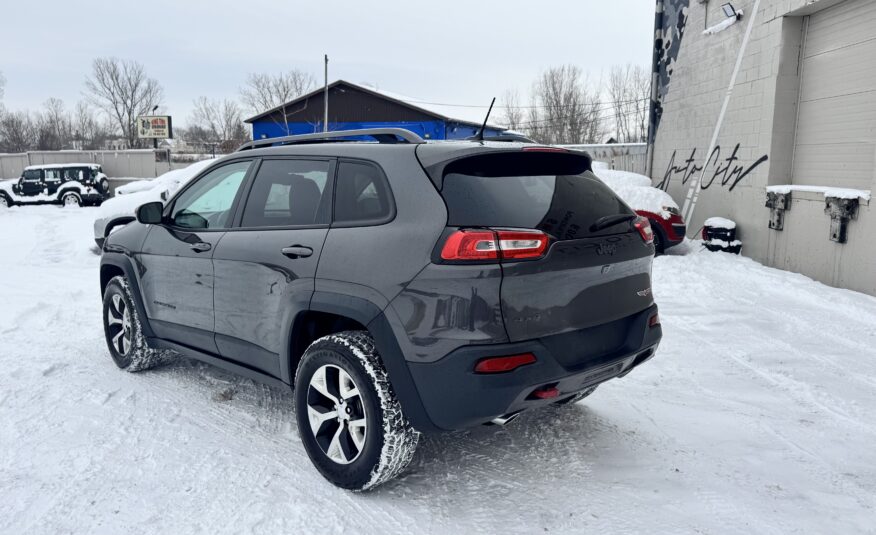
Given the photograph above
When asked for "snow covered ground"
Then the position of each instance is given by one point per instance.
(758, 415)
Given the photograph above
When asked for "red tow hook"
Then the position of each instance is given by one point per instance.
(546, 392)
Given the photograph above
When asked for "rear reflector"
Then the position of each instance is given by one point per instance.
(644, 227)
(654, 320)
(546, 392)
(503, 364)
(490, 244)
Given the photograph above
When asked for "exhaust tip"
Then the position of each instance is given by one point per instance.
(505, 419)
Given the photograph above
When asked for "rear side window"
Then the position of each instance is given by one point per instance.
(362, 194)
(288, 193)
(552, 192)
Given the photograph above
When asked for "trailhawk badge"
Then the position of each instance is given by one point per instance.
(644, 293)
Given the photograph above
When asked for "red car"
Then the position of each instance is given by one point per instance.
(652, 203)
(667, 232)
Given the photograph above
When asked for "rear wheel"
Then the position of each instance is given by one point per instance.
(121, 325)
(349, 419)
(659, 242)
(71, 199)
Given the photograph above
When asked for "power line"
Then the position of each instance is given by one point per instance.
(607, 102)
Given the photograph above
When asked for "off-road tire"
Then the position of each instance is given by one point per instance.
(138, 355)
(5, 201)
(71, 199)
(389, 442)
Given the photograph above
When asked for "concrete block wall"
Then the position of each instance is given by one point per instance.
(761, 119)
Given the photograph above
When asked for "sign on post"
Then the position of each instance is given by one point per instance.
(154, 127)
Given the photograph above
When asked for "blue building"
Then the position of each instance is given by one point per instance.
(353, 106)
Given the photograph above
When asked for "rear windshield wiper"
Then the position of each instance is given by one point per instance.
(610, 221)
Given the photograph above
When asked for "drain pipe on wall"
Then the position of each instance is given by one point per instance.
(693, 193)
(652, 111)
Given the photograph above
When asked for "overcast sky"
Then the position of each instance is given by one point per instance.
(460, 52)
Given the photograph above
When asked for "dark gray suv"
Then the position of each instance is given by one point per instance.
(399, 286)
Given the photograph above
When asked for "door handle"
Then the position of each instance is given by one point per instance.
(297, 251)
(200, 247)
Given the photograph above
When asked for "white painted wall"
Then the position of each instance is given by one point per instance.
(761, 119)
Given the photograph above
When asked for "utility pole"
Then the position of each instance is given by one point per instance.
(325, 98)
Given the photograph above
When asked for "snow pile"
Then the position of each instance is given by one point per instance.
(839, 193)
(748, 420)
(719, 222)
(635, 190)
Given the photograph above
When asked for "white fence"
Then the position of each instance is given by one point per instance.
(126, 163)
(624, 156)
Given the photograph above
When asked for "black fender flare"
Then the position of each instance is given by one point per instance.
(375, 320)
(119, 221)
(123, 262)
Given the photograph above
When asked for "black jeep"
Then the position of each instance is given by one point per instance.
(71, 184)
(399, 287)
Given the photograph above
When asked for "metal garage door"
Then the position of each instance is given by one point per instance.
(836, 125)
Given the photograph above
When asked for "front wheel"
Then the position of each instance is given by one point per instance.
(4, 201)
(124, 336)
(349, 419)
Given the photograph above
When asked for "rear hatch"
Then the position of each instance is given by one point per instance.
(595, 267)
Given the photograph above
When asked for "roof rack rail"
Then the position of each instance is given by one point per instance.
(381, 135)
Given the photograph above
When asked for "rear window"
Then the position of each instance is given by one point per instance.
(552, 192)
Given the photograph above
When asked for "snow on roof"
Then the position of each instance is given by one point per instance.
(840, 193)
(464, 113)
(471, 114)
(57, 165)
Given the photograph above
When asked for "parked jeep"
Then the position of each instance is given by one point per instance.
(399, 287)
(71, 184)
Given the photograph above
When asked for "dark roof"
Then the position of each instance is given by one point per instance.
(374, 92)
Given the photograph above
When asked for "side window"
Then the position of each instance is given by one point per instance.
(74, 173)
(32, 175)
(362, 194)
(288, 193)
(207, 204)
(53, 174)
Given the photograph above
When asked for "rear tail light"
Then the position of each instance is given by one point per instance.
(503, 364)
(644, 227)
(494, 244)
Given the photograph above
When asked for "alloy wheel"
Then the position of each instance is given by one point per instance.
(336, 414)
(71, 200)
(119, 324)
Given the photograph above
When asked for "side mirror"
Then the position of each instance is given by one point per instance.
(150, 213)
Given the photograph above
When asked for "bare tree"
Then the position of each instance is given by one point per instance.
(54, 127)
(564, 109)
(17, 132)
(219, 122)
(89, 132)
(629, 89)
(124, 91)
(511, 110)
(264, 91)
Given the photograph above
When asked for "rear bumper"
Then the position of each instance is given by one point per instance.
(454, 397)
